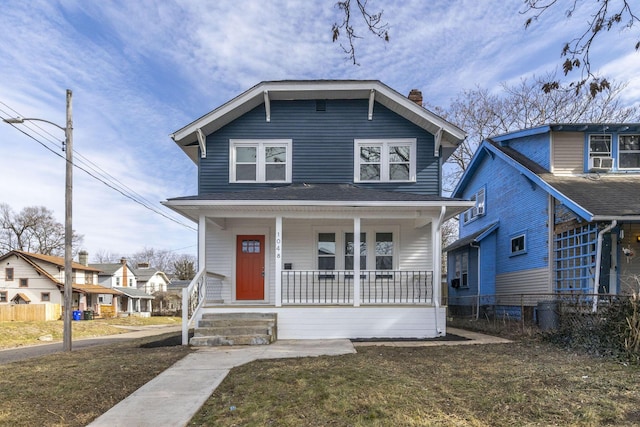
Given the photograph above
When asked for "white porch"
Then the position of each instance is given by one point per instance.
(311, 276)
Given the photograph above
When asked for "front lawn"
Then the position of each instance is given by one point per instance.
(479, 385)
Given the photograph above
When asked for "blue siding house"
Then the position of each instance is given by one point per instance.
(319, 204)
(557, 212)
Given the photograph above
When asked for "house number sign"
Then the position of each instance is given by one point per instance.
(278, 246)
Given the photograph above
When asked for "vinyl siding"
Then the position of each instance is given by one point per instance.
(37, 283)
(568, 153)
(323, 141)
(535, 147)
(532, 281)
(412, 246)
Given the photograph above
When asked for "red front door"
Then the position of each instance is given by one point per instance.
(250, 268)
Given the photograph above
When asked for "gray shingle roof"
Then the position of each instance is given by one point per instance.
(318, 192)
(606, 195)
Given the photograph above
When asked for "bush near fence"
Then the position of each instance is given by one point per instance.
(30, 312)
(602, 325)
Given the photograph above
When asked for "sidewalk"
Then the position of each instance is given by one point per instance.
(27, 352)
(173, 397)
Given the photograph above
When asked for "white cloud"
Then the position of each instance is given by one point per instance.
(141, 70)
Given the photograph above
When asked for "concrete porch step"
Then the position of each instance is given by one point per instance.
(212, 341)
(219, 329)
(203, 331)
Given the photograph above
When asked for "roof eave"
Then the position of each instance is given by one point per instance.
(187, 138)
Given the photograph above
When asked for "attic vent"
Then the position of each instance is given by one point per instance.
(321, 105)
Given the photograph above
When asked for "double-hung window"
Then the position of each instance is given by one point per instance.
(385, 160)
(326, 251)
(349, 251)
(519, 243)
(260, 160)
(629, 151)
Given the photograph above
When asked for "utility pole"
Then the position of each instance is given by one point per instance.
(68, 223)
(68, 226)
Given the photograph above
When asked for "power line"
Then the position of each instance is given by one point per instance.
(106, 179)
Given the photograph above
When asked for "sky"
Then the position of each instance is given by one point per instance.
(140, 70)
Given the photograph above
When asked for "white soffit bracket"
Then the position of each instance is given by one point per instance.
(267, 105)
(437, 142)
(202, 141)
(372, 97)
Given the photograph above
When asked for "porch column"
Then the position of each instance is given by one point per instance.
(356, 262)
(202, 232)
(278, 261)
(436, 238)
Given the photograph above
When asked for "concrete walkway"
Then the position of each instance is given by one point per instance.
(172, 398)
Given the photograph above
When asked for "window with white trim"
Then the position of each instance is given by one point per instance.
(3, 296)
(390, 160)
(629, 151)
(336, 250)
(461, 273)
(600, 145)
(260, 160)
(519, 243)
(479, 208)
(326, 251)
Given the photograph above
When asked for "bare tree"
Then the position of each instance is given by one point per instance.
(160, 259)
(520, 106)
(372, 21)
(105, 257)
(34, 230)
(608, 15)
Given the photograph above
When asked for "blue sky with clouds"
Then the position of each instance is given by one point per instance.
(140, 70)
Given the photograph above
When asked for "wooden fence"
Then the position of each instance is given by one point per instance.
(30, 312)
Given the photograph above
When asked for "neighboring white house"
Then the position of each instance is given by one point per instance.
(34, 278)
(120, 276)
(150, 279)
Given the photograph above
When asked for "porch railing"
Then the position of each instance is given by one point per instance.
(376, 287)
(205, 286)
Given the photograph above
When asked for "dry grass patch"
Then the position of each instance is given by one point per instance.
(72, 389)
(488, 385)
(17, 334)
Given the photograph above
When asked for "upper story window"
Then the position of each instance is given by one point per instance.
(388, 160)
(260, 160)
(8, 274)
(629, 151)
(478, 209)
(600, 154)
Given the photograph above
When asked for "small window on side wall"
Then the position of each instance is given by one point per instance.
(8, 274)
(479, 209)
(519, 243)
(3, 296)
(45, 296)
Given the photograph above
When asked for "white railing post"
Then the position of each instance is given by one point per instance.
(356, 262)
(185, 316)
(278, 261)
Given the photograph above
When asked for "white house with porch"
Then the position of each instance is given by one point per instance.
(295, 179)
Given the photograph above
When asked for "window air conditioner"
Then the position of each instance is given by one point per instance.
(601, 163)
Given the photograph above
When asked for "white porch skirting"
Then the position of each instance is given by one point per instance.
(307, 322)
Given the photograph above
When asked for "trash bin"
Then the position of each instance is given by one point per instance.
(88, 315)
(548, 315)
(77, 315)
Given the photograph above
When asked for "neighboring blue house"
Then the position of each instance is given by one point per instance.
(557, 211)
(292, 177)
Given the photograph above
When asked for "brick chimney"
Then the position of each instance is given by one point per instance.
(123, 261)
(83, 258)
(416, 96)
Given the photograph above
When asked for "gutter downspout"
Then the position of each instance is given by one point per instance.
(596, 280)
(437, 256)
(478, 300)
